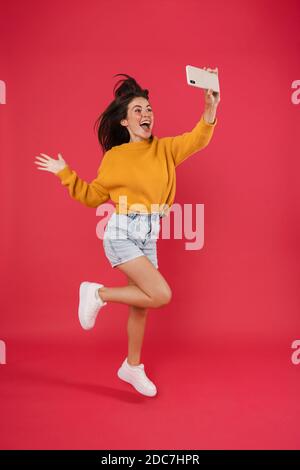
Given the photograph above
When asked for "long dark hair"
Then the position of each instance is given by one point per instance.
(109, 130)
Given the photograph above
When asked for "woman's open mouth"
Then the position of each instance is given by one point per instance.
(145, 126)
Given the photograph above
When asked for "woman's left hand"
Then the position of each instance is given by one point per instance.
(211, 98)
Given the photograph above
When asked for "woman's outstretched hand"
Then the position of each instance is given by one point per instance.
(212, 98)
(50, 164)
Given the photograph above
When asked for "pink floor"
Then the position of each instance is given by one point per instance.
(66, 395)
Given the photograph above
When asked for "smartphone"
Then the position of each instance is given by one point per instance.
(201, 78)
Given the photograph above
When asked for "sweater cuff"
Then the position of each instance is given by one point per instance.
(64, 173)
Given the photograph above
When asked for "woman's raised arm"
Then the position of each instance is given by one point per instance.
(188, 143)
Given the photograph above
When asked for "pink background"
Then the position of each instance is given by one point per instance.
(220, 352)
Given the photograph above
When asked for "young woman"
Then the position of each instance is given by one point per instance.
(137, 173)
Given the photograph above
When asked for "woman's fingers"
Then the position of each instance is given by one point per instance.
(46, 156)
(47, 163)
(211, 70)
(42, 159)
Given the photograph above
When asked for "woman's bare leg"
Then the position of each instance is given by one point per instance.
(135, 329)
(150, 289)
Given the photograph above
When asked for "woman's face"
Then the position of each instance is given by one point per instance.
(139, 111)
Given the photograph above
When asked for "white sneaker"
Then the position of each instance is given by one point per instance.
(135, 375)
(89, 304)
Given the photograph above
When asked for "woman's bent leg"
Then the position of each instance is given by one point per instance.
(150, 289)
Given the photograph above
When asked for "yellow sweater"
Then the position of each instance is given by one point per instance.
(139, 176)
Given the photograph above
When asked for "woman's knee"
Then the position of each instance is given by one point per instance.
(162, 297)
(141, 272)
(159, 297)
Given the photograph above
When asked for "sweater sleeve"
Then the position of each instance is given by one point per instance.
(90, 194)
(185, 145)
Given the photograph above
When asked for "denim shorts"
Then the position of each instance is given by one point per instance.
(127, 236)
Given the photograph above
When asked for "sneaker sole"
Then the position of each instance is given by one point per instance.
(143, 392)
(83, 292)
